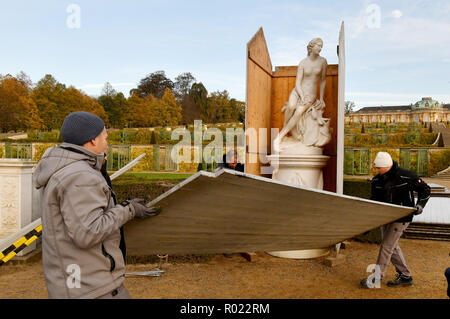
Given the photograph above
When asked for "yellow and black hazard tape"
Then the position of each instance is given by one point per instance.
(20, 244)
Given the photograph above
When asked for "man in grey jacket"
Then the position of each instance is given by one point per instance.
(80, 239)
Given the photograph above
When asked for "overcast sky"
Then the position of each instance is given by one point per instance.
(397, 51)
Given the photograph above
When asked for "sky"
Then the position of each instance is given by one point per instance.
(396, 51)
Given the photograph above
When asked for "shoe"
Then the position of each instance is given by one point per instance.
(401, 280)
(365, 283)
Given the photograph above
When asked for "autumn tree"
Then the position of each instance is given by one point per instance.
(115, 105)
(48, 96)
(155, 84)
(140, 114)
(17, 109)
(55, 101)
(75, 100)
(220, 108)
(171, 110)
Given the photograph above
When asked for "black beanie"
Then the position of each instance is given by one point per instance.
(81, 127)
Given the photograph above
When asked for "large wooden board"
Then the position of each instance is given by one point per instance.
(340, 113)
(230, 211)
(258, 106)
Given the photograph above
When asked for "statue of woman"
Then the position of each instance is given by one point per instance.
(303, 111)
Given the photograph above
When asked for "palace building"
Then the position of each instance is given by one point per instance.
(426, 110)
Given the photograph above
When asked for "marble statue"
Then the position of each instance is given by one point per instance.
(303, 111)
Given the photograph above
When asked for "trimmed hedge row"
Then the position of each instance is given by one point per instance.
(127, 187)
(392, 139)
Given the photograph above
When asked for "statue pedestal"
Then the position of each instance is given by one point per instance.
(16, 198)
(304, 170)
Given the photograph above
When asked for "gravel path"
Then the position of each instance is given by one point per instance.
(266, 277)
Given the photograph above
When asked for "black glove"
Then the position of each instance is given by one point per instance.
(142, 211)
(419, 210)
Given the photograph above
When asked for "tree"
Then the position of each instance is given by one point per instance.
(115, 105)
(220, 109)
(155, 84)
(238, 108)
(140, 114)
(154, 138)
(25, 79)
(48, 96)
(190, 110)
(108, 90)
(199, 96)
(182, 85)
(348, 108)
(362, 129)
(74, 100)
(171, 110)
(55, 101)
(17, 108)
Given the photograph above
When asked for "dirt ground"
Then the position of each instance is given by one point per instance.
(266, 276)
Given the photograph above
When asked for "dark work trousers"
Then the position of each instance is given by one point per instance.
(390, 250)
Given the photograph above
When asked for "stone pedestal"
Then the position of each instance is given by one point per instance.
(304, 170)
(16, 197)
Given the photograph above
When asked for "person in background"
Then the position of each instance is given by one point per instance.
(81, 255)
(395, 185)
(231, 161)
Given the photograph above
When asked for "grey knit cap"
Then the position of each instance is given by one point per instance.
(81, 127)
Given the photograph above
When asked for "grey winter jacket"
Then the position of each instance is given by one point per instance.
(80, 235)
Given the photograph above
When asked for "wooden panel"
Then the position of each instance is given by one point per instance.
(253, 168)
(259, 88)
(257, 51)
(234, 212)
(331, 110)
(341, 115)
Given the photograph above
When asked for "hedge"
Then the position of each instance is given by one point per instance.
(39, 150)
(129, 186)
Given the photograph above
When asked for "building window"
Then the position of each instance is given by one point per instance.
(355, 119)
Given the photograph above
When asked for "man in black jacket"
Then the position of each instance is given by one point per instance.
(231, 161)
(395, 185)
